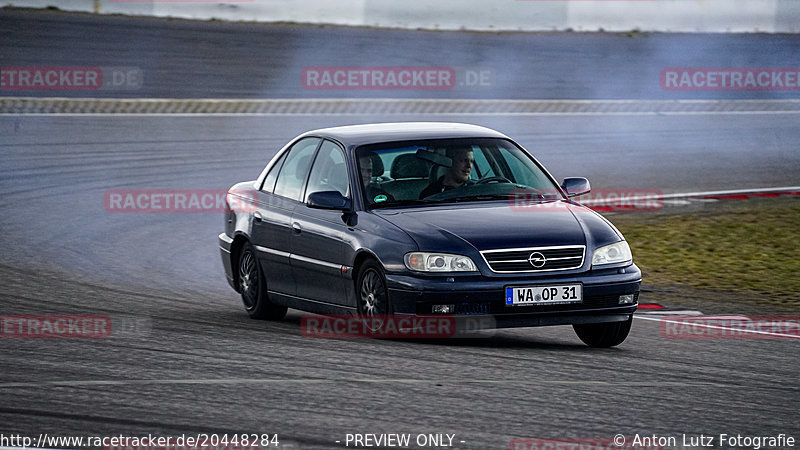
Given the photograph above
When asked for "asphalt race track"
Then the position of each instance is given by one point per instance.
(183, 358)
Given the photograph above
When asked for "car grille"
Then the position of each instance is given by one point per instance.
(519, 259)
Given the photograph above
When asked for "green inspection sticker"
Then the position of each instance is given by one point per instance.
(380, 198)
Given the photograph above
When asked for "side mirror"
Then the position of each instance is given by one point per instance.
(328, 200)
(575, 186)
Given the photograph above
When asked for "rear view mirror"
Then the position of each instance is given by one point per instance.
(435, 158)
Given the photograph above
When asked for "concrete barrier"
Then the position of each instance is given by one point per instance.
(714, 16)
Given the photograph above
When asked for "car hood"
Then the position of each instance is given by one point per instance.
(492, 226)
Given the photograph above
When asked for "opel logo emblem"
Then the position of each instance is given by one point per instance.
(537, 259)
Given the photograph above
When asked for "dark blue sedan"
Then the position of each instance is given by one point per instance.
(426, 219)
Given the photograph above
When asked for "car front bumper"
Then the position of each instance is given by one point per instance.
(483, 298)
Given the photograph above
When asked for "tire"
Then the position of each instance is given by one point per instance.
(253, 286)
(371, 293)
(603, 335)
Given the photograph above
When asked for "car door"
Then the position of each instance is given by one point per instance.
(272, 221)
(318, 248)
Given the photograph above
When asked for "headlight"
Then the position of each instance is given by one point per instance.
(617, 252)
(439, 262)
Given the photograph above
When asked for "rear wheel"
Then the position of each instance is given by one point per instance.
(373, 298)
(603, 335)
(253, 286)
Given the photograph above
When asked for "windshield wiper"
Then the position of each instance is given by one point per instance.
(409, 202)
(479, 197)
(510, 197)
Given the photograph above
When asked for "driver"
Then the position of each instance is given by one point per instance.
(456, 176)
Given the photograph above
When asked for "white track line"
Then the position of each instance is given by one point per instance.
(717, 327)
(669, 313)
(685, 195)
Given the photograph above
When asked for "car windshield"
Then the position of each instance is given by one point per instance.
(450, 170)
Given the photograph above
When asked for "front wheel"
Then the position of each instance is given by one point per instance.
(373, 298)
(253, 286)
(603, 335)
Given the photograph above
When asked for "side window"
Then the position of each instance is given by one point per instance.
(269, 180)
(295, 168)
(329, 172)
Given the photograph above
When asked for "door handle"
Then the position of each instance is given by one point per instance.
(296, 228)
(257, 216)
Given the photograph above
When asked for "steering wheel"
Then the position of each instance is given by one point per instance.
(494, 180)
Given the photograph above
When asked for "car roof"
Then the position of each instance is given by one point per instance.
(354, 135)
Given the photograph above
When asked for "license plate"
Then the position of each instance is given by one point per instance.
(544, 295)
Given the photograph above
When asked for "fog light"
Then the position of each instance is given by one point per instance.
(443, 309)
(626, 299)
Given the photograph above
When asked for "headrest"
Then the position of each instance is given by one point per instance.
(377, 165)
(409, 166)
